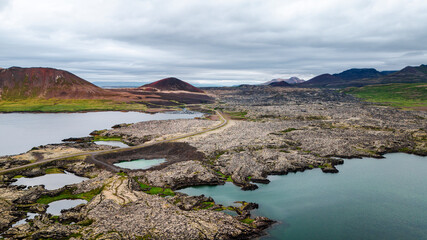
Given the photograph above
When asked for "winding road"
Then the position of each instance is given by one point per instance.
(92, 154)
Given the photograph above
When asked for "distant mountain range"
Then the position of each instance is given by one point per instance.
(276, 81)
(280, 84)
(361, 73)
(367, 76)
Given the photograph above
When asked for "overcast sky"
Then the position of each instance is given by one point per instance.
(223, 42)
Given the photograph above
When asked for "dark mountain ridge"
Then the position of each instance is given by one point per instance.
(291, 80)
(321, 81)
(361, 73)
(280, 84)
(368, 76)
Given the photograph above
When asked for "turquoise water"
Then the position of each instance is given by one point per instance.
(140, 163)
(22, 131)
(368, 199)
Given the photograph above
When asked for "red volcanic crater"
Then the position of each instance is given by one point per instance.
(172, 84)
(22, 83)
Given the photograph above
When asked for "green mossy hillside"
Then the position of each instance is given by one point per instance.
(405, 95)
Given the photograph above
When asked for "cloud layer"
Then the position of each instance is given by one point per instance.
(222, 42)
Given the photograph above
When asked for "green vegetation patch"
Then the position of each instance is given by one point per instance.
(53, 170)
(67, 194)
(67, 105)
(247, 220)
(103, 138)
(237, 115)
(163, 192)
(85, 222)
(81, 157)
(325, 165)
(288, 130)
(405, 95)
(228, 178)
(205, 205)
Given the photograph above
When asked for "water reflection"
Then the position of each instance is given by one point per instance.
(27, 130)
(51, 181)
(56, 207)
(140, 163)
(112, 143)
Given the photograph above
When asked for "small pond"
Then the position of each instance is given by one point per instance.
(51, 181)
(140, 163)
(112, 143)
(56, 207)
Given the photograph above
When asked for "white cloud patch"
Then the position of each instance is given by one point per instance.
(223, 41)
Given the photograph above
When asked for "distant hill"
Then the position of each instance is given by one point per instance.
(361, 73)
(291, 80)
(280, 84)
(323, 80)
(172, 84)
(368, 76)
(23, 83)
(407, 75)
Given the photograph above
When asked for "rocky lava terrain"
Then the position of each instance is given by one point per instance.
(272, 130)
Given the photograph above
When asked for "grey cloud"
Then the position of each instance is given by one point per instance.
(223, 42)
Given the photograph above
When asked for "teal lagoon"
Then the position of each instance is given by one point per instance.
(368, 199)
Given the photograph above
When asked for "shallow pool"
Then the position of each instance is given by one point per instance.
(51, 181)
(112, 143)
(140, 163)
(56, 207)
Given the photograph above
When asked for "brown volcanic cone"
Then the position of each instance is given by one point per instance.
(172, 84)
(22, 83)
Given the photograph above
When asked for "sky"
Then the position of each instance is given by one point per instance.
(206, 42)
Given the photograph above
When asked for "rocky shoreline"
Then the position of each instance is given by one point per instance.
(273, 131)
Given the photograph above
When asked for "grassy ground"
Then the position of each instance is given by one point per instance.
(68, 105)
(155, 190)
(404, 95)
(66, 194)
(237, 115)
(102, 138)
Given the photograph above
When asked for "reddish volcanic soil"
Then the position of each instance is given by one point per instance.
(23, 83)
(171, 84)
